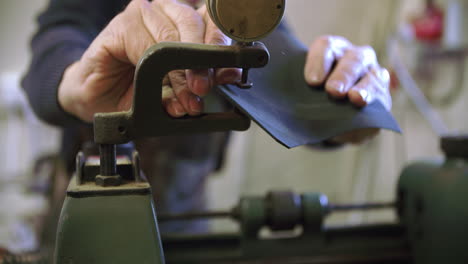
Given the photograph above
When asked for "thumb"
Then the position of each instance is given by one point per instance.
(213, 35)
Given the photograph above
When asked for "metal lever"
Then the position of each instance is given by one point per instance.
(147, 118)
(244, 83)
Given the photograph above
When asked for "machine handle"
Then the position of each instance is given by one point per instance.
(148, 118)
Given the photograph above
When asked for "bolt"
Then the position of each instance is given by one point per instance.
(244, 83)
(108, 160)
(108, 166)
(106, 181)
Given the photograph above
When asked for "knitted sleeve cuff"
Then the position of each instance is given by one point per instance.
(55, 51)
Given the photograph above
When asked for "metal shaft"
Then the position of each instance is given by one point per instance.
(363, 207)
(108, 165)
(244, 83)
(245, 75)
(195, 215)
(414, 92)
(233, 214)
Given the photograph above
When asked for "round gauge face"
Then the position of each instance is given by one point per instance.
(246, 20)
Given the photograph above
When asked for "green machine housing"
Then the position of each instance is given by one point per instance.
(108, 215)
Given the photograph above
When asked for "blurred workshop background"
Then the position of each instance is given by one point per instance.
(422, 34)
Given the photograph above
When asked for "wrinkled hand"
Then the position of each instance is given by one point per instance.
(102, 80)
(348, 71)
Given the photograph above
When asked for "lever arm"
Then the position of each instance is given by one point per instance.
(147, 117)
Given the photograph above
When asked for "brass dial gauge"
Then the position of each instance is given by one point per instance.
(246, 20)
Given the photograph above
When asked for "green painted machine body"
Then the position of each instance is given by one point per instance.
(108, 215)
(118, 225)
(103, 226)
(432, 206)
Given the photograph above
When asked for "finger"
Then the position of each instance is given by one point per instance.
(227, 75)
(138, 14)
(321, 56)
(193, 3)
(191, 28)
(374, 86)
(383, 91)
(126, 101)
(188, 22)
(170, 102)
(158, 23)
(213, 35)
(353, 66)
(199, 81)
(162, 28)
(357, 136)
(191, 103)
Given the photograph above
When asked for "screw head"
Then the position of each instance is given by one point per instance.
(107, 181)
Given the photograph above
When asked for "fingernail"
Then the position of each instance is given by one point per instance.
(179, 109)
(195, 104)
(190, 78)
(365, 95)
(198, 81)
(314, 78)
(337, 86)
(167, 92)
(230, 76)
(200, 84)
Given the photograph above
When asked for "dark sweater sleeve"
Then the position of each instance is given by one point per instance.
(66, 29)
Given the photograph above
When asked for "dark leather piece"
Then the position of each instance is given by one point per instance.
(291, 111)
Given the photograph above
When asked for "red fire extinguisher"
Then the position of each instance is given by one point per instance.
(429, 26)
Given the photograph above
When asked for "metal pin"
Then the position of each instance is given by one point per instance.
(108, 163)
(244, 83)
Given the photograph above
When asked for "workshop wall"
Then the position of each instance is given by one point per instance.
(256, 162)
(23, 138)
(344, 175)
(266, 165)
(443, 81)
(17, 23)
(352, 174)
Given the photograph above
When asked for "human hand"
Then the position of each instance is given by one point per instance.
(102, 80)
(348, 71)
